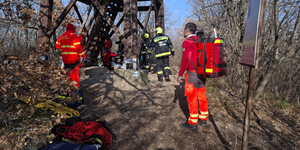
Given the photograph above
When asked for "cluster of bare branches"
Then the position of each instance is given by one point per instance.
(278, 63)
(30, 76)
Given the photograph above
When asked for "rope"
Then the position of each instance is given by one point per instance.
(81, 131)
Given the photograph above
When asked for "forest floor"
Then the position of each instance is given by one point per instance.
(149, 119)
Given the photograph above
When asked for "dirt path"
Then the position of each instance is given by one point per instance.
(149, 119)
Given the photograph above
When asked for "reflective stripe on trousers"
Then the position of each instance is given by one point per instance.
(196, 100)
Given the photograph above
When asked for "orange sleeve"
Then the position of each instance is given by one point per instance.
(76, 43)
(58, 44)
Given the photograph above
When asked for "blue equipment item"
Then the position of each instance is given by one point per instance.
(70, 146)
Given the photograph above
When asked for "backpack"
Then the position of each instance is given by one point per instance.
(84, 132)
(70, 146)
(210, 61)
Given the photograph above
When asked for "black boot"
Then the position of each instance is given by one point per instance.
(161, 79)
(189, 126)
(202, 123)
(168, 79)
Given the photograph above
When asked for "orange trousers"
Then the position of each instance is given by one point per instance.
(195, 93)
(73, 73)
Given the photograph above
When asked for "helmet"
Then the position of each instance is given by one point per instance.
(159, 30)
(146, 35)
(71, 27)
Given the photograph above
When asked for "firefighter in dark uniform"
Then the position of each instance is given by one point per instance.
(121, 49)
(144, 52)
(163, 49)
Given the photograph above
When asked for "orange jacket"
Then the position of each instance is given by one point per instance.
(69, 45)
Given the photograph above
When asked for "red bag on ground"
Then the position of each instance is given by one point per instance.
(83, 130)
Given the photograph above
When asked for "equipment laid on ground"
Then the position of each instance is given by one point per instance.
(70, 146)
(81, 134)
(53, 106)
(9, 59)
(69, 96)
(211, 63)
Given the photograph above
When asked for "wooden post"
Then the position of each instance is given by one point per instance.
(160, 14)
(45, 18)
(252, 78)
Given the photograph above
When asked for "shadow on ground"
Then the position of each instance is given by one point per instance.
(149, 119)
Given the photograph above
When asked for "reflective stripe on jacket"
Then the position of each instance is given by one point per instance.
(70, 47)
(163, 45)
(144, 48)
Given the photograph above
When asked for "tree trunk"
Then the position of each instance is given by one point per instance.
(262, 85)
(26, 30)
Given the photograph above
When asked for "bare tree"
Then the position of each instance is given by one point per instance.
(278, 64)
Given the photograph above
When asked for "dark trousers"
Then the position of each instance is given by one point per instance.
(108, 65)
(121, 59)
(163, 66)
(144, 61)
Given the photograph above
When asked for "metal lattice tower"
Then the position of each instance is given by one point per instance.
(101, 25)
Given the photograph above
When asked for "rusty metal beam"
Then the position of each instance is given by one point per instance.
(85, 20)
(58, 21)
(78, 13)
(160, 14)
(92, 20)
(106, 17)
(146, 23)
(141, 8)
(118, 24)
(108, 20)
(93, 32)
(130, 27)
(45, 19)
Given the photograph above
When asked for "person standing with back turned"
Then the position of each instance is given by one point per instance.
(194, 86)
(71, 51)
(163, 49)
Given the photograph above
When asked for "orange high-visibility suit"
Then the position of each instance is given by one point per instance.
(194, 86)
(71, 50)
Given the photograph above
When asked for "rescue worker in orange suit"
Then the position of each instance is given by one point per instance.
(194, 86)
(108, 55)
(145, 52)
(163, 49)
(71, 51)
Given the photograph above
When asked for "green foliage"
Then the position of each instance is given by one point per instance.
(279, 101)
(212, 91)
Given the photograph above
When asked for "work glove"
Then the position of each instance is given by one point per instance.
(84, 60)
(173, 53)
(120, 53)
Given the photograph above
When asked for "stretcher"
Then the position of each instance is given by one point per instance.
(53, 106)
